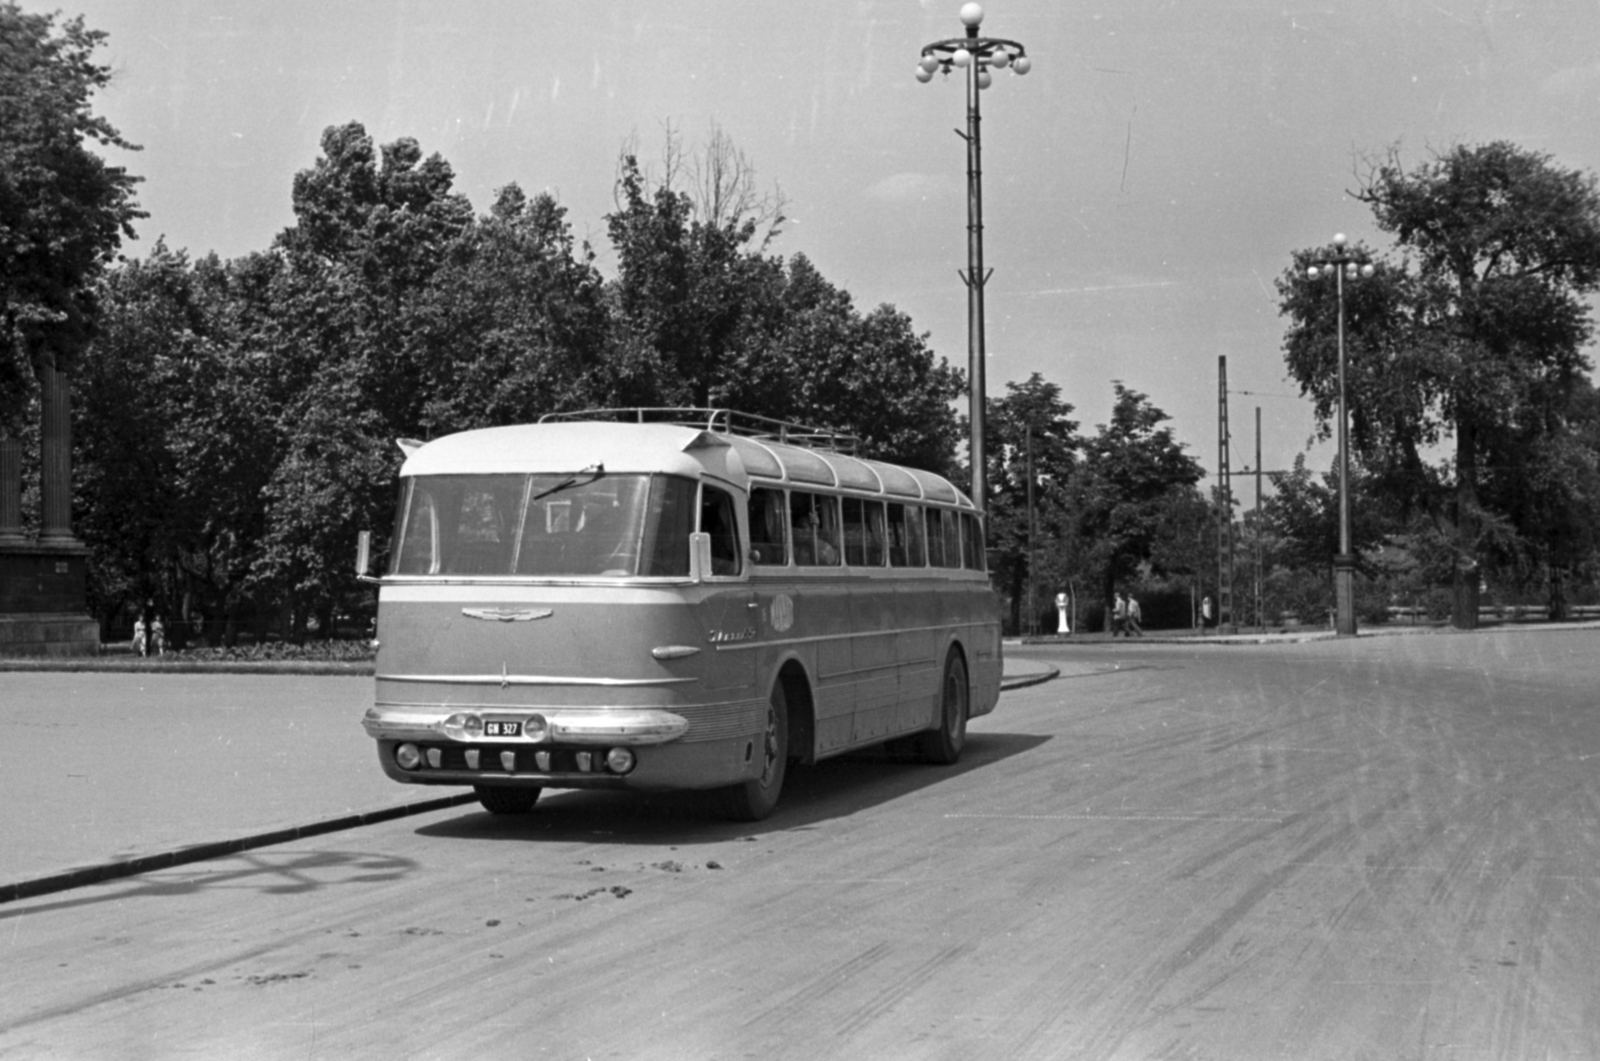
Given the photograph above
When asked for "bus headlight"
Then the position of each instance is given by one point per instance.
(463, 727)
(619, 760)
(408, 757)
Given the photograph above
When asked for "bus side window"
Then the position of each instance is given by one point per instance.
(814, 523)
(877, 535)
(717, 519)
(973, 554)
(905, 536)
(950, 527)
(855, 531)
(935, 538)
(768, 522)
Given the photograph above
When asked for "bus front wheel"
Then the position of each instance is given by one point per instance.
(755, 799)
(942, 745)
(504, 799)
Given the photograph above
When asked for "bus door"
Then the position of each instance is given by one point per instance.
(728, 609)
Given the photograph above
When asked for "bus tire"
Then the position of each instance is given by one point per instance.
(755, 799)
(506, 799)
(942, 745)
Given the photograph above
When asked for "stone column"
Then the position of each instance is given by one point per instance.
(55, 457)
(10, 490)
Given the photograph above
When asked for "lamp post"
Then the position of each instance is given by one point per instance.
(1344, 266)
(976, 57)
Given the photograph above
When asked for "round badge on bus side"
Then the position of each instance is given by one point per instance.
(782, 614)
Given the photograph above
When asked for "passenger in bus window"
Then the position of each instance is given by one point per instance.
(814, 526)
(768, 523)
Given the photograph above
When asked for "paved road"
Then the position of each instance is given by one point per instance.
(1371, 849)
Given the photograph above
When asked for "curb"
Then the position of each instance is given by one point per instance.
(189, 666)
(1022, 681)
(95, 874)
(69, 664)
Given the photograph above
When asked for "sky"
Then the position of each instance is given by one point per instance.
(1143, 185)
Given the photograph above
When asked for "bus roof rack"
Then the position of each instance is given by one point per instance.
(723, 422)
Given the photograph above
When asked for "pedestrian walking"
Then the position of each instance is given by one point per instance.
(1205, 613)
(158, 637)
(1134, 616)
(139, 646)
(1119, 616)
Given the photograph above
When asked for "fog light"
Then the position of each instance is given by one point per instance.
(407, 757)
(619, 760)
(536, 728)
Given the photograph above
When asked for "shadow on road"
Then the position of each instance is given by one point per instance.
(266, 872)
(811, 794)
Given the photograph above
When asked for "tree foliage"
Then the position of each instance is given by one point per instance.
(1471, 339)
(262, 396)
(63, 209)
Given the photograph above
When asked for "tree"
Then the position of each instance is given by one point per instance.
(703, 316)
(1131, 473)
(63, 210)
(173, 452)
(1472, 339)
(1031, 417)
(514, 324)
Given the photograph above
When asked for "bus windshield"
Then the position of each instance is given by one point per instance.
(583, 523)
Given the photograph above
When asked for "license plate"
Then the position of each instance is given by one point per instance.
(502, 729)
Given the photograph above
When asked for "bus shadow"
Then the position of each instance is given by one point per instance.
(831, 789)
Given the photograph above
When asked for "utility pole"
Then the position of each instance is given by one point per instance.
(1224, 507)
(1261, 619)
(1032, 613)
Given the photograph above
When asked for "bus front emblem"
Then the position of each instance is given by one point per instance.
(507, 615)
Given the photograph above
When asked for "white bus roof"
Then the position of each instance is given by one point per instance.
(572, 445)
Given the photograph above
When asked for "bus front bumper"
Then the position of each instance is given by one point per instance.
(533, 728)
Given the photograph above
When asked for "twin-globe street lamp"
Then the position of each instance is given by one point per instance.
(975, 56)
(1344, 266)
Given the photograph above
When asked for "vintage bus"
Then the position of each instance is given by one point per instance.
(671, 599)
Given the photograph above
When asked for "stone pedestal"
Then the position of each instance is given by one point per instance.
(43, 582)
(1344, 595)
(42, 601)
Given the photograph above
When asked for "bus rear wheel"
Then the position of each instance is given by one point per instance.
(755, 799)
(505, 799)
(942, 745)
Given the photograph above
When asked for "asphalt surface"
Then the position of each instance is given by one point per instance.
(1339, 850)
(114, 768)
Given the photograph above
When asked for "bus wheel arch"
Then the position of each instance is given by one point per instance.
(757, 797)
(942, 744)
(796, 688)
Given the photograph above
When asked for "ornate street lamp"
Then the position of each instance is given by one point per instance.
(976, 57)
(1344, 266)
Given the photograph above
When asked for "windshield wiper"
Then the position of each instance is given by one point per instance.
(593, 471)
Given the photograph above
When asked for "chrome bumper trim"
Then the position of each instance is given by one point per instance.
(624, 727)
(503, 680)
